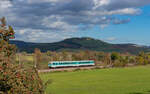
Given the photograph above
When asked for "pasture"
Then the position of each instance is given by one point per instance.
(133, 80)
(28, 61)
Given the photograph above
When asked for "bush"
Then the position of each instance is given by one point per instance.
(14, 80)
(118, 63)
(115, 56)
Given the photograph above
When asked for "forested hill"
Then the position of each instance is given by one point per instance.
(74, 44)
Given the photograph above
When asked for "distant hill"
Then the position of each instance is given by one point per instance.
(74, 44)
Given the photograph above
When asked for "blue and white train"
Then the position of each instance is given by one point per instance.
(59, 64)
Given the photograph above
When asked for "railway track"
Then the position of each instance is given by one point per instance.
(70, 69)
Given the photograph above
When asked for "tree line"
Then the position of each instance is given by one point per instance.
(113, 59)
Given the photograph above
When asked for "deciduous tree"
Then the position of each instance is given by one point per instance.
(14, 79)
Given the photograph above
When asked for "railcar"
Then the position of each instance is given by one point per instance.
(60, 64)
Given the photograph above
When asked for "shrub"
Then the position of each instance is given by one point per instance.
(115, 56)
(13, 78)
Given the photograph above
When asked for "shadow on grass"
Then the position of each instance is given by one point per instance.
(136, 93)
(147, 92)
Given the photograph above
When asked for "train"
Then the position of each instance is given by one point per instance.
(61, 64)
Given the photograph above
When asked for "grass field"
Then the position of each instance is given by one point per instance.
(134, 80)
(28, 61)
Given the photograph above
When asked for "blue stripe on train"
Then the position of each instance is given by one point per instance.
(69, 63)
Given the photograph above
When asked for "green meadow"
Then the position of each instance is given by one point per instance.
(133, 80)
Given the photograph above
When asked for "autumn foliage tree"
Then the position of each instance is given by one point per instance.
(38, 58)
(13, 78)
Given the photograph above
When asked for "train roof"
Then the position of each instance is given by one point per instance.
(69, 61)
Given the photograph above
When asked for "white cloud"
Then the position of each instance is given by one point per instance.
(52, 16)
(111, 38)
(99, 3)
(37, 35)
(56, 22)
(45, 1)
(129, 11)
(102, 26)
(5, 4)
(125, 11)
(21, 32)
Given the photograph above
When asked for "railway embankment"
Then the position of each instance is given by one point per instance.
(73, 69)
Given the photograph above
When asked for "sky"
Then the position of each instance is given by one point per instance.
(46, 21)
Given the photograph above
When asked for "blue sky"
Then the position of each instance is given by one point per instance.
(136, 31)
(114, 21)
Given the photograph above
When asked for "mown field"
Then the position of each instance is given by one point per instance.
(133, 80)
